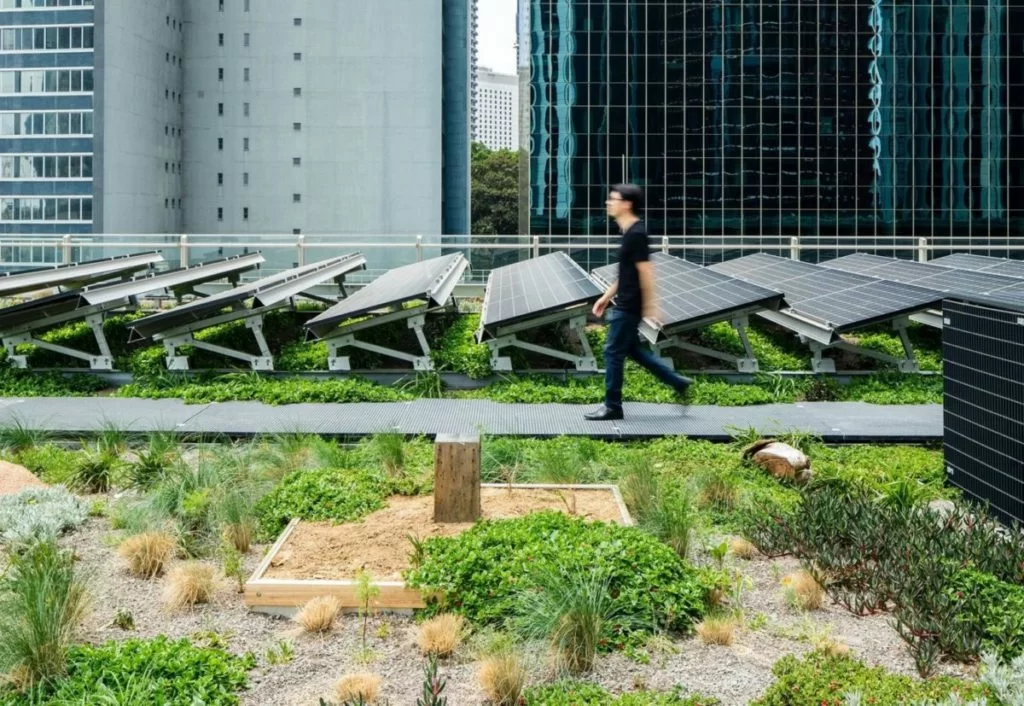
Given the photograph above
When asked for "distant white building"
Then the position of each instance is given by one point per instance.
(497, 110)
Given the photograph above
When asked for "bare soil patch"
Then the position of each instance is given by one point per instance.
(15, 478)
(379, 543)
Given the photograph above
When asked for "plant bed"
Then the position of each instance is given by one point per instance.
(313, 559)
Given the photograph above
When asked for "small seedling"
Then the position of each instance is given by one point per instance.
(718, 553)
(281, 653)
(384, 630)
(124, 619)
(433, 686)
(233, 565)
(366, 591)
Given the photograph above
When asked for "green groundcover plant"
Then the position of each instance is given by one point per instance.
(577, 693)
(481, 572)
(156, 672)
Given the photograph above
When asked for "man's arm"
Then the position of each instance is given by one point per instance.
(601, 304)
(648, 294)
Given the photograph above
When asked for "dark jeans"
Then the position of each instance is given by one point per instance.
(624, 341)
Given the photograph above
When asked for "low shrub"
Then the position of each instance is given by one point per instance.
(147, 554)
(357, 688)
(503, 677)
(53, 464)
(318, 614)
(989, 609)
(818, 679)
(157, 671)
(458, 351)
(327, 495)
(576, 693)
(37, 514)
(482, 572)
(244, 387)
(717, 630)
(441, 635)
(189, 584)
(803, 591)
(42, 606)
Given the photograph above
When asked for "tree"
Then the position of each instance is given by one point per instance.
(495, 196)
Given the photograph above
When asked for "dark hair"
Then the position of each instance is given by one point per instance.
(632, 193)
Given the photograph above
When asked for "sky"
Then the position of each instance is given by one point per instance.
(496, 34)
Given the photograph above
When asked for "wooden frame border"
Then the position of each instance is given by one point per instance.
(285, 596)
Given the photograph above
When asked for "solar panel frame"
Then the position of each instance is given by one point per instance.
(532, 289)
(687, 282)
(76, 274)
(433, 280)
(824, 297)
(267, 292)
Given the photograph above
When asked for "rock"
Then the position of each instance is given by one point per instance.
(781, 460)
(942, 508)
(15, 478)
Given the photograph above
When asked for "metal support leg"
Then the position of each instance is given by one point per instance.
(419, 362)
(818, 363)
(264, 361)
(748, 364)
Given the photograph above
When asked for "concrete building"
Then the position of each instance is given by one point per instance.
(497, 110)
(236, 117)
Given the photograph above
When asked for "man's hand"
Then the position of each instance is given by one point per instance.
(599, 306)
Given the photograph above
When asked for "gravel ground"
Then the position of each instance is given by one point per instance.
(735, 674)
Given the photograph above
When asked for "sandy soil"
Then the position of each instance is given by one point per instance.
(380, 542)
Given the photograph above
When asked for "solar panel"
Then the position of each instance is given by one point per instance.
(265, 292)
(840, 300)
(946, 280)
(76, 274)
(432, 280)
(690, 295)
(535, 287)
(983, 263)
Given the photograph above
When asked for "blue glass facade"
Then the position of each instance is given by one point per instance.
(865, 122)
(46, 116)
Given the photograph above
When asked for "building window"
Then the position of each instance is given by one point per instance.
(296, 231)
(246, 5)
(245, 144)
(220, 144)
(296, 198)
(245, 74)
(166, 130)
(167, 167)
(245, 39)
(220, 5)
(220, 74)
(220, 214)
(296, 161)
(297, 56)
(220, 109)
(220, 39)
(245, 179)
(297, 127)
(245, 109)
(167, 203)
(245, 213)
(220, 178)
(167, 57)
(296, 91)
(297, 22)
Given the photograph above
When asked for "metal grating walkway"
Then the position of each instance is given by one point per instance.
(832, 421)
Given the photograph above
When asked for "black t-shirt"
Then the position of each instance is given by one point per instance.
(634, 249)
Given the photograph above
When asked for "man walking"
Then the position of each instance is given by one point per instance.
(634, 300)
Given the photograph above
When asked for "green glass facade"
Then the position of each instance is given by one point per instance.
(866, 122)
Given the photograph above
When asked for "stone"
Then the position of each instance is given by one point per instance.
(783, 461)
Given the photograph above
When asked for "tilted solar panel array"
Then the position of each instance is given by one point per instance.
(983, 354)
(534, 287)
(945, 280)
(841, 300)
(689, 294)
(983, 263)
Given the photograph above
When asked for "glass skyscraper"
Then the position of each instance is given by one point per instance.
(869, 122)
(46, 116)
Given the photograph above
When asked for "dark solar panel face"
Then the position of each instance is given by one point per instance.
(534, 287)
(946, 280)
(843, 299)
(983, 406)
(983, 263)
(688, 292)
(415, 281)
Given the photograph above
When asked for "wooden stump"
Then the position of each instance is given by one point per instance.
(457, 478)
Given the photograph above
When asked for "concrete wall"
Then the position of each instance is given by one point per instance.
(138, 117)
(370, 110)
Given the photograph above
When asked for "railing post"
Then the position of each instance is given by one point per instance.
(300, 247)
(183, 250)
(664, 244)
(794, 248)
(536, 246)
(419, 248)
(65, 245)
(922, 249)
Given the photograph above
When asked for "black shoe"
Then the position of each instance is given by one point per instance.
(603, 414)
